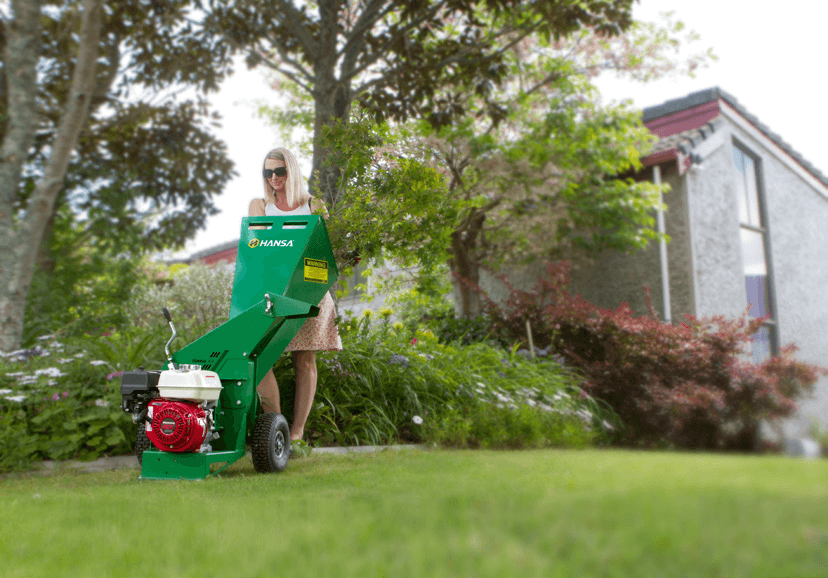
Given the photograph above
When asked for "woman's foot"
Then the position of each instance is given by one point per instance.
(300, 449)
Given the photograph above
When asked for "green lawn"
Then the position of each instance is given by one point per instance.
(435, 513)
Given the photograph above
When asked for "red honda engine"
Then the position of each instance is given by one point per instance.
(176, 426)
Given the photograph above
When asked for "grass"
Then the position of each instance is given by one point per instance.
(438, 513)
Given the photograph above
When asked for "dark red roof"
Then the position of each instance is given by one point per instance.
(683, 119)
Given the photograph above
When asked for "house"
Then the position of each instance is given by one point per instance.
(747, 219)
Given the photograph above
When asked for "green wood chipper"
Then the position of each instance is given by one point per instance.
(202, 407)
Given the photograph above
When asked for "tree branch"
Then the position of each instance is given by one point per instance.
(305, 83)
(293, 18)
(355, 39)
(396, 35)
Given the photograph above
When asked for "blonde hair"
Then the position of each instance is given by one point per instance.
(295, 193)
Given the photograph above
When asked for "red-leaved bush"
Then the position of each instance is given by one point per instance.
(688, 385)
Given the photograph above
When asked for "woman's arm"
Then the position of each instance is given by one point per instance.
(256, 208)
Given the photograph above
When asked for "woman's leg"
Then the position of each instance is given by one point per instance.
(304, 362)
(269, 391)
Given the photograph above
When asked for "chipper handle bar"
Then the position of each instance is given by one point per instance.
(174, 333)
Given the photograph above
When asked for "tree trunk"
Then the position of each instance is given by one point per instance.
(464, 265)
(332, 99)
(20, 58)
(333, 103)
(20, 240)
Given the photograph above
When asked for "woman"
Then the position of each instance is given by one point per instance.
(285, 194)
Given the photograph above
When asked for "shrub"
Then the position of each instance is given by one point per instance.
(197, 296)
(685, 385)
(58, 402)
(388, 385)
(84, 291)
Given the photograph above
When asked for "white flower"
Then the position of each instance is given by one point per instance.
(50, 371)
(101, 403)
(5, 391)
(62, 360)
(417, 420)
(97, 362)
(45, 337)
(584, 415)
(503, 398)
(17, 398)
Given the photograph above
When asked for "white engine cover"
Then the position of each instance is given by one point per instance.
(189, 384)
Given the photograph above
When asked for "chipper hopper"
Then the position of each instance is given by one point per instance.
(202, 408)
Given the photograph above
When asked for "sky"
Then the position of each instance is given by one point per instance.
(770, 58)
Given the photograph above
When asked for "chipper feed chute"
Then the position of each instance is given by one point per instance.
(203, 407)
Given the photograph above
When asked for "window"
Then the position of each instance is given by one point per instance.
(754, 255)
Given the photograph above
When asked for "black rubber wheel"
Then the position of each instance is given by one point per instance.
(142, 442)
(270, 446)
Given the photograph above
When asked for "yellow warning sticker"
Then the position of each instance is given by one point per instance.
(316, 271)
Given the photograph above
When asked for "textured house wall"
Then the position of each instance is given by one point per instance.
(797, 224)
(613, 278)
(714, 220)
(679, 249)
(616, 278)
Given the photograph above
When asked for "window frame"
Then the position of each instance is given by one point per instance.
(771, 323)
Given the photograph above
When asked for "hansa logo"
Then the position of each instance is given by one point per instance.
(270, 243)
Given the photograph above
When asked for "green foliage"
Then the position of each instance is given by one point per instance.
(129, 349)
(60, 402)
(386, 203)
(820, 435)
(388, 385)
(81, 286)
(197, 297)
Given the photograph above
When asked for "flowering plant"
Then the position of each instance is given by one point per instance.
(686, 385)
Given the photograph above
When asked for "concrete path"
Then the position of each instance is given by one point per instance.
(116, 462)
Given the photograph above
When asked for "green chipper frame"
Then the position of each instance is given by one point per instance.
(202, 408)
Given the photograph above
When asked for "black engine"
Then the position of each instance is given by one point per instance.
(138, 389)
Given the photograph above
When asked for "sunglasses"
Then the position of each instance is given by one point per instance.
(278, 171)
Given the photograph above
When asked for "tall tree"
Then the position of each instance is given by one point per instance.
(399, 58)
(93, 118)
(536, 167)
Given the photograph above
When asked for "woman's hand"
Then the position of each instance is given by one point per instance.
(319, 208)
